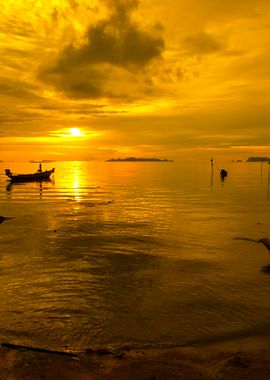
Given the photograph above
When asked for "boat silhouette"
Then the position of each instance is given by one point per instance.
(38, 176)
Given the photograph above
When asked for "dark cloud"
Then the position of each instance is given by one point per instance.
(77, 82)
(121, 9)
(18, 89)
(123, 44)
(79, 108)
(202, 43)
(73, 4)
(117, 41)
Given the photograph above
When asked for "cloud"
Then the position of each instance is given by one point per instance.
(116, 43)
(202, 43)
(73, 3)
(18, 89)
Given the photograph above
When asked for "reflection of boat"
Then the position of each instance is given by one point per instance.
(38, 176)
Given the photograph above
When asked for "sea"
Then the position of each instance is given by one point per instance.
(137, 254)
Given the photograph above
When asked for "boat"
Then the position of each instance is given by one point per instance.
(38, 176)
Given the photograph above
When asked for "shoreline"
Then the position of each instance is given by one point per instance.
(245, 359)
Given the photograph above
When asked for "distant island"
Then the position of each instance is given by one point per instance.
(140, 159)
(258, 159)
(41, 162)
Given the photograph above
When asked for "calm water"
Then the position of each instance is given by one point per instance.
(134, 253)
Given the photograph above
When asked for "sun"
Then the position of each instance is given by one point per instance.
(76, 132)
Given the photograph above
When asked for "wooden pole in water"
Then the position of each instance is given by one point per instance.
(212, 173)
(268, 181)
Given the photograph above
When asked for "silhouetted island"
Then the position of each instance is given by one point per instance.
(41, 162)
(141, 159)
(258, 159)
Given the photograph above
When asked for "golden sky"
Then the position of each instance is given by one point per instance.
(89, 79)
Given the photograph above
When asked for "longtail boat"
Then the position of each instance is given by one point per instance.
(38, 176)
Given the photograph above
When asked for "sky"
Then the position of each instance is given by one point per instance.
(92, 80)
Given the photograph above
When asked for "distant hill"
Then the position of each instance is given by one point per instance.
(258, 159)
(140, 159)
(40, 162)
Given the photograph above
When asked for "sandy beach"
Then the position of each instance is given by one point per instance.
(150, 364)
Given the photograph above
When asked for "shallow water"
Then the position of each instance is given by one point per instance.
(134, 253)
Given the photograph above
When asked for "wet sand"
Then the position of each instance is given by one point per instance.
(149, 364)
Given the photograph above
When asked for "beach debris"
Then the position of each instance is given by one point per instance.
(239, 361)
(247, 239)
(3, 218)
(12, 346)
(115, 351)
(103, 351)
(266, 243)
(266, 269)
(120, 355)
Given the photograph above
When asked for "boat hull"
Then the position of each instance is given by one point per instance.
(39, 176)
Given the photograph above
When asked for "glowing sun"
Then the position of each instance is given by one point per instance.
(76, 132)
